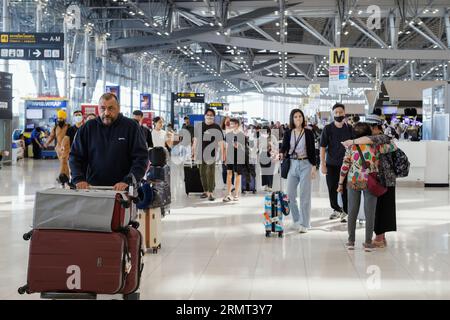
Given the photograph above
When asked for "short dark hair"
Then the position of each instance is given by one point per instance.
(377, 111)
(138, 113)
(361, 129)
(210, 110)
(291, 118)
(156, 119)
(91, 114)
(235, 120)
(109, 96)
(338, 105)
(77, 112)
(186, 118)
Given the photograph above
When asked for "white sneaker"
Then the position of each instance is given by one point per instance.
(265, 189)
(269, 189)
(343, 217)
(302, 229)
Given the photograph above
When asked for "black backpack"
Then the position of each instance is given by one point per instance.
(401, 163)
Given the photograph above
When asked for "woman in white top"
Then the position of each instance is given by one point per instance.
(159, 136)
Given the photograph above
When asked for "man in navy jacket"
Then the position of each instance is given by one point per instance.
(108, 149)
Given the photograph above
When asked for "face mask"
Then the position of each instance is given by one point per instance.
(209, 119)
(78, 119)
(339, 119)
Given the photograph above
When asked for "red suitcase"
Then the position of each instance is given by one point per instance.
(63, 261)
(135, 246)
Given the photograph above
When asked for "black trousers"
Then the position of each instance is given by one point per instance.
(37, 154)
(267, 180)
(385, 215)
(333, 174)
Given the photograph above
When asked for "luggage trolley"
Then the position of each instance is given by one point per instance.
(129, 239)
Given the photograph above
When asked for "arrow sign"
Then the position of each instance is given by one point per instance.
(37, 53)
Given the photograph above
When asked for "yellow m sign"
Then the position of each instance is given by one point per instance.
(339, 56)
(4, 38)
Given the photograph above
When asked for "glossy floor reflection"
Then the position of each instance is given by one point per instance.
(218, 251)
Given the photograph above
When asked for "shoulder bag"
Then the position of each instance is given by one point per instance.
(373, 184)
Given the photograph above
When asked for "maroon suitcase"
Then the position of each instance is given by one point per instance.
(136, 252)
(66, 261)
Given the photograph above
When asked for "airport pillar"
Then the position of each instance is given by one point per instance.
(6, 24)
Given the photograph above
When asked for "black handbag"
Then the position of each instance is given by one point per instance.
(286, 163)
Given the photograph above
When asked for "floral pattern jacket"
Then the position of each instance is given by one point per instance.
(352, 167)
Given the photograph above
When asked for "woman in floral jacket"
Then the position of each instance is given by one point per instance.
(357, 183)
(385, 215)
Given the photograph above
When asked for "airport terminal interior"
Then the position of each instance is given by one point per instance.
(109, 110)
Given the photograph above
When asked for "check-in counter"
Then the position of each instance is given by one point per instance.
(429, 163)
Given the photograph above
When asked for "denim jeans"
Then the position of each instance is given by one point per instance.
(299, 177)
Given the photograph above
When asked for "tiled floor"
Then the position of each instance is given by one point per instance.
(218, 251)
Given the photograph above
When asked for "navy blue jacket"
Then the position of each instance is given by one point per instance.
(105, 155)
(309, 140)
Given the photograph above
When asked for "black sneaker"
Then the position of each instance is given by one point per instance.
(211, 198)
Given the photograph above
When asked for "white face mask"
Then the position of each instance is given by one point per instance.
(78, 119)
(209, 119)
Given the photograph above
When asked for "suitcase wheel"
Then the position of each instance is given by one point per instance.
(27, 236)
(268, 234)
(24, 289)
(280, 234)
(132, 296)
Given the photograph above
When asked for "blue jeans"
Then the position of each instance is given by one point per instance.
(300, 177)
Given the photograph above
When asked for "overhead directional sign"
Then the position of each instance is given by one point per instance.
(338, 70)
(32, 46)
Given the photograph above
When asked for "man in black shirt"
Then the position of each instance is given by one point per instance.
(138, 116)
(330, 145)
(108, 149)
(211, 138)
(72, 131)
(187, 126)
(235, 148)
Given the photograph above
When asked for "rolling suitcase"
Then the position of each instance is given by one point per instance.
(192, 181)
(77, 262)
(135, 247)
(151, 228)
(276, 206)
(162, 195)
(97, 210)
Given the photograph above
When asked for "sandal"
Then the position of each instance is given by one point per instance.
(378, 244)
